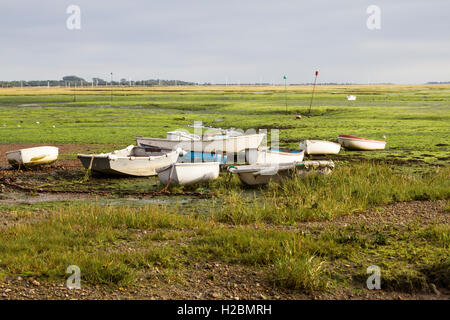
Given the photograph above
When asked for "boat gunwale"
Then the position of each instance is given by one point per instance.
(292, 154)
(32, 148)
(202, 140)
(347, 137)
(185, 164)
(114, 157)
(316, 141)
(280, 166)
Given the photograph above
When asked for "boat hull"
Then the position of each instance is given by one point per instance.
(191, 157)
(234, 144)
(357, 143)
(111, 164)
(188, 173)
(320, 147)
(273, 156)
(254, 175)
(31, 157)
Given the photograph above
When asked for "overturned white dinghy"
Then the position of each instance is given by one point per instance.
(188, 173)
(31, 157)
(358, 143)
(320, 147)
(131, 161)
(271, 155)
(253, 175)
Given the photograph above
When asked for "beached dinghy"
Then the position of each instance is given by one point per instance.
(32, 156)
(131, 161)
(358, 143)
(188, 173)
(216, 143)
(271, 155)
(320, 147)
(253, 175)
(182, 136)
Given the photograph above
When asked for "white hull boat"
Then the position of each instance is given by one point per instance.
(253, 175)
(358, 143)
(273, 156)
(320, 147)
(188, 173)
(131, 161)
(182, 136)
(30, 157)
(226, 144)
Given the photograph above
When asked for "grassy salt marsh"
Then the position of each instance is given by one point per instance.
(303, 238)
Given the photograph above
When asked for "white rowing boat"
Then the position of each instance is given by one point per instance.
(358, 143)
(188, 173)
(253, 175)
(182, 136)
(222, 143)
(273, 156)
(320, 147)
(131, 161)
(30, 157)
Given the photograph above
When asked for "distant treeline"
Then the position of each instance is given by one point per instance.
(438, 82)
(74, 81)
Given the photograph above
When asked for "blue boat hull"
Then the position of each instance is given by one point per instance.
(190, 157)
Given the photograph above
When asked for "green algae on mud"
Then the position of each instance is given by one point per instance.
(414, 119)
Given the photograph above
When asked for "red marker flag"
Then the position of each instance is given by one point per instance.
(317, 73)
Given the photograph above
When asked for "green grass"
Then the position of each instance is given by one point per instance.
(94, 238)
(414, 119)
(118, 245)
(438, 234)
(351, 188)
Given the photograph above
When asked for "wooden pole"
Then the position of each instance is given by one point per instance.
(312, 95)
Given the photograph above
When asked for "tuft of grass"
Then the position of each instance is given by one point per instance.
(438, 234)
(300, 272)
(296, 269)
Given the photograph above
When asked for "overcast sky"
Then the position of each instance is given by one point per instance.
(227, 40)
